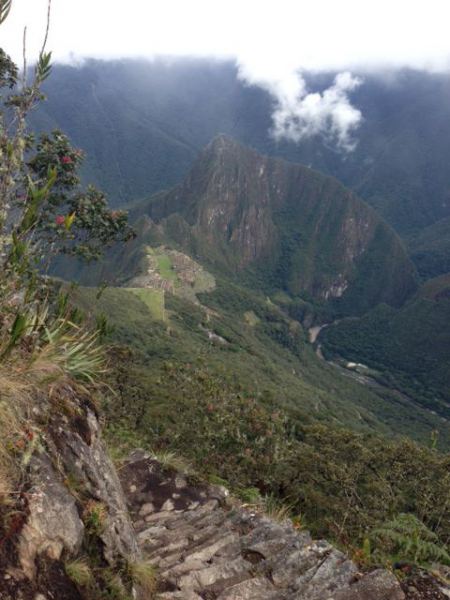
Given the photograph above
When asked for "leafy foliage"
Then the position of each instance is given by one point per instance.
(43, 211)
(73, 221)
(408, 538)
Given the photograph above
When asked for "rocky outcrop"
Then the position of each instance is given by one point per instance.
(204, 544)
(69, 476)
(53, 525)
(77, 444)
(206, 547)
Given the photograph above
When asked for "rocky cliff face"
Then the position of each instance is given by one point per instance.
(302, 231)
(70, 503)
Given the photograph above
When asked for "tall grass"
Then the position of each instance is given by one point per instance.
(14, 437)
(70, 350)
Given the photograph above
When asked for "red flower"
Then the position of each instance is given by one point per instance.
(60, 220)
(66, 160)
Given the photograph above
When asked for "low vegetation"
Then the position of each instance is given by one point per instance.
(339, 484)
(153, 300)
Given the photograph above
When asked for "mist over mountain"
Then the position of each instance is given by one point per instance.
(142, 124)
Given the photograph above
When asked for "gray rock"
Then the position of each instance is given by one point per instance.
(85, 456)
(378, 585)
(146, 509)
(252, 589)
(53, 524)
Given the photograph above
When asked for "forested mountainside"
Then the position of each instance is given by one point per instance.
(410, 346)
(142, 124)
(259, 227)
(279, 226)
(290, 226)
(430, 249)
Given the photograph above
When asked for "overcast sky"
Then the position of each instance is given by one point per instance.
(270, 39)
(313, 34)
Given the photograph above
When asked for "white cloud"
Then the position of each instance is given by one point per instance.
(272, 41)
(300, 114)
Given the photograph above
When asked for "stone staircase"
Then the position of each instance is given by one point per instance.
(207, 548)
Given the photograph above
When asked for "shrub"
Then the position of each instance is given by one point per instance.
(405, 537)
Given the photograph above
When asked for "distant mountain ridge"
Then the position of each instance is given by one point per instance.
(291, 227)
(142, 124)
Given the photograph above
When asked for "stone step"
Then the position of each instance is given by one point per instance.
(205, 549)
(198, 516)
(179, 595)
(252, 589)
(210, 574)
(164, 551)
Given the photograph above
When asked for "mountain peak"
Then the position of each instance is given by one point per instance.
(224, 144)
(303, 231)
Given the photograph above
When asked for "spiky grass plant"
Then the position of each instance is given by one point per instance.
(14, 437)
(71, 350)
(275, 509)
(79, 572)
(144, 575)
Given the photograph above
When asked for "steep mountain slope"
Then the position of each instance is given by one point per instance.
(410, 347)
(235, 343)
(430, 249)
(143, 123)
(242, 228)
(283, 225)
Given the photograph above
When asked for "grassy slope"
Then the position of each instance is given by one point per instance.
(268, 358)
(153, 300)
